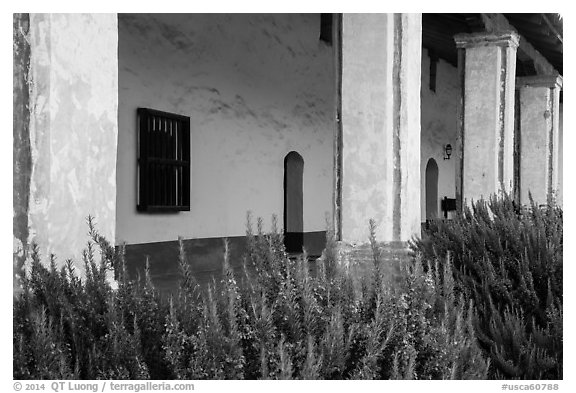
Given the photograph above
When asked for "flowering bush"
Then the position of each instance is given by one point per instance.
(508, 261)
(273, 319)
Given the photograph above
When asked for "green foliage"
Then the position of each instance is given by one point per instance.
(508, 261)
(277, 318)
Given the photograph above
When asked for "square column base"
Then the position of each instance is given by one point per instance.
(361, 257)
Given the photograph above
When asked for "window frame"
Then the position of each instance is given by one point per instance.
(163, 161)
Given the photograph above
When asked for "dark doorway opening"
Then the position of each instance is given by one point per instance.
(431, 190)
(293, 202)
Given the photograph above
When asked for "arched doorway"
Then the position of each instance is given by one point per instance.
(293, 202)
(431, 189)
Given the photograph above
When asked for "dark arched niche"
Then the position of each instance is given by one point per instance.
(431, 189)
(293, 202)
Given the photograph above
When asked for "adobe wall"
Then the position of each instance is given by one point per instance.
(255, 87)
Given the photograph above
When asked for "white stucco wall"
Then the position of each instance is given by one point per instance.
(73, 130)
(559, 195)
(367, 125)
(439, 126)
(380, 126)
(256, 87)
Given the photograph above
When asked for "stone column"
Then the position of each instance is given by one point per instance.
(73, 130)
(539, 112)
(485, 141)
(378, 147)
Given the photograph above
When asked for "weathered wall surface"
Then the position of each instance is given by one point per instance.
(409, 132)
(540, 143)
(367, 123)
(481, 140)
(535, 144)
(73, 129)
(439, 125)
(256, 87)
(22, 162)
(559, 195)
(381, 126)
(488, 113)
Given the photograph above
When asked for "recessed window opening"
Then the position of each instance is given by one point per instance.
(431, 185)
(293, 202)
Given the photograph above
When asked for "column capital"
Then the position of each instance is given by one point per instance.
(551, 81)
(475, 40)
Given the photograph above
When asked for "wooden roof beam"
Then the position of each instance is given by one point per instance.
(497, 22)
(552, 28)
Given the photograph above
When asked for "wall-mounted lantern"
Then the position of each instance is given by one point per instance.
(447, 151)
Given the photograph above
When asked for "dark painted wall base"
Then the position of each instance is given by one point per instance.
(293, 242)
(205, 256)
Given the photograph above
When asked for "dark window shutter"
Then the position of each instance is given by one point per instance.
(326, 28)
(163, 161)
